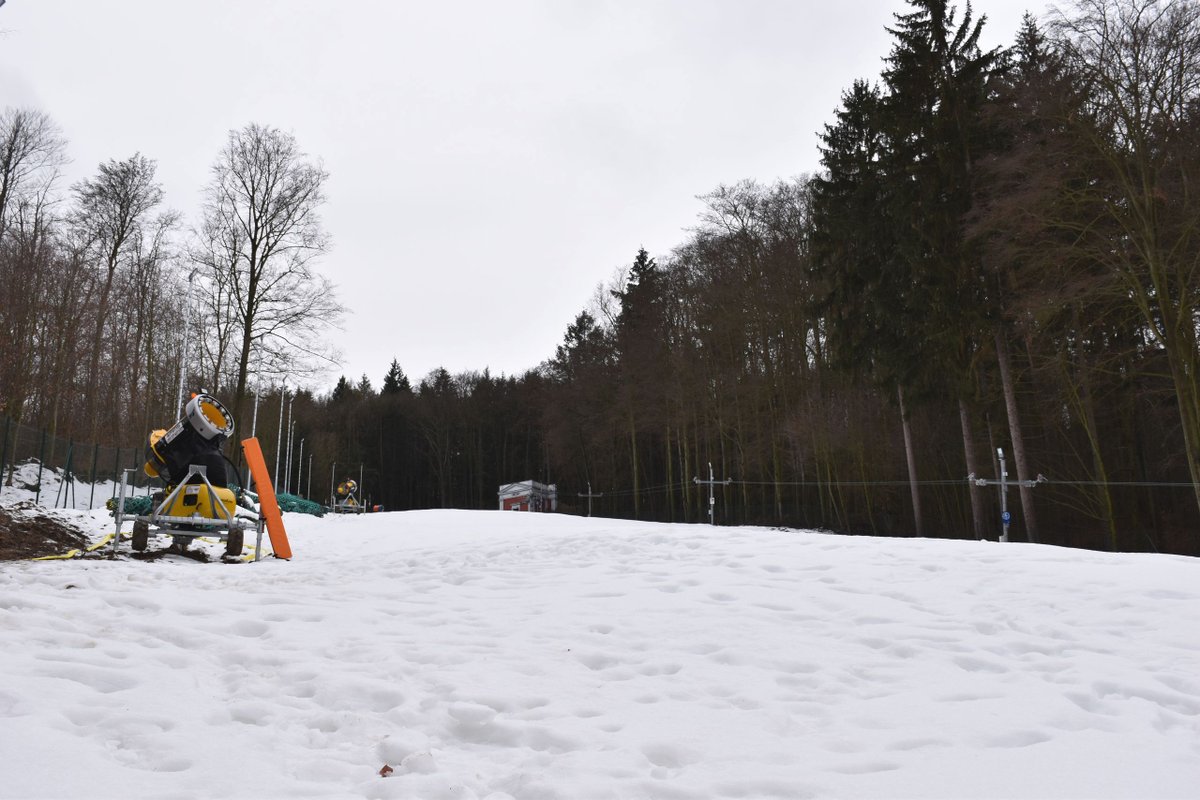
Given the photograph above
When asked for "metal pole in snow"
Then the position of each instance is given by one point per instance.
(187, 313)
(95, 455)
(1005, 517)
(712, 501)
(279, 433)
(257, 392)
(1004, 483)
(287, 470)
(589, 497)
(300, 464)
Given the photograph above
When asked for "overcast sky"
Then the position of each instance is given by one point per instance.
(491, 162)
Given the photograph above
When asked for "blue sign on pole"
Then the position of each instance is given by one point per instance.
(1006, 517)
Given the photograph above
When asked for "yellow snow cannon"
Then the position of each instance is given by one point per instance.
(196, 500)
(347, 498)
(195, 439)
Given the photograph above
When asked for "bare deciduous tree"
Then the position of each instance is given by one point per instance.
(31, 152)
(111, 219)
(262, 233)
(1141, 62)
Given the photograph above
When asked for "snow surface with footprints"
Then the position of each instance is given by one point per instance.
(493, 655)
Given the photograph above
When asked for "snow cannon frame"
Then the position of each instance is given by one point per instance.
(347, 500)
(214, 512)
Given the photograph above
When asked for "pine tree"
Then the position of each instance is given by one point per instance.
(343, 391)
(641, 338)
(395, 381)
(938, 82)
(902, 292)
(851, 238)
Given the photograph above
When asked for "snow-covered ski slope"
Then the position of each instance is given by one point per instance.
(496, 655)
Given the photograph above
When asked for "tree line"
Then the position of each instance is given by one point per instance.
(998, 253)
(112, 306)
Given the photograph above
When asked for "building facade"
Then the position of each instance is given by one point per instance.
(528, 496)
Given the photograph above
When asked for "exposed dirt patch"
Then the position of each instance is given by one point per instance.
(26, 531)
(155, 555)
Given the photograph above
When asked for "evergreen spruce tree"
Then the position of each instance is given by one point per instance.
(851, 239)
(938, 83)
(395, 381)
(641, 338)
(903, 293)
(343, 391)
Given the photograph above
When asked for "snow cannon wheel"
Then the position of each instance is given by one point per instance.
(233, 544)
(141, 535)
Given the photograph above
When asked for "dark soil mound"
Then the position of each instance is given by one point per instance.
(27, 532)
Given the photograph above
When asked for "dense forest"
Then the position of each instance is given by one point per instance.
(999, 253)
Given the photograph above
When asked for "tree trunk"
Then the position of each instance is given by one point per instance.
(911, 457)
(1018, 440)
(633, 457)
(972, 459)
(669, 492)
(93, 374)
(1078, 387)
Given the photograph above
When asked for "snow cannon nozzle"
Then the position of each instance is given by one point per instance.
(195, 439)
(208, 417)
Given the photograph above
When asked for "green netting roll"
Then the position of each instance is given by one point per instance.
(291, 502)
(137, 506)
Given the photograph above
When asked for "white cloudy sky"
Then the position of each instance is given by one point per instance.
(491, 162)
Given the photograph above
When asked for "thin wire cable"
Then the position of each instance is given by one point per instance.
(1167, 484)
(958, 482)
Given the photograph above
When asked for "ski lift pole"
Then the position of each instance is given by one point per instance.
(279, 433)
(1004, 483)
(257, 392)
(187, 340)
(287, 473)
(712, 500)
(589, 497)
(1005, 517)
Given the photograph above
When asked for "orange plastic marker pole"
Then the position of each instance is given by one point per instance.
(266, 498)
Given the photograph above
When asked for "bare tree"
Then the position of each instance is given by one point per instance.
(27, 266)
(149, 327)
(1141, 61)
(31, 151)
(262, 234)
(112, 217)
(214, 253)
